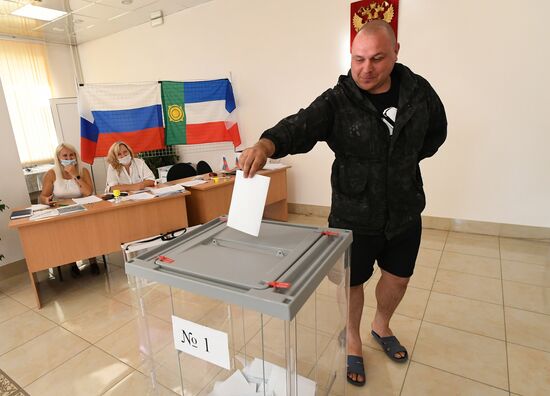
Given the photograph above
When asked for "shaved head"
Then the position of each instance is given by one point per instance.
(377, 26)
(373, 54)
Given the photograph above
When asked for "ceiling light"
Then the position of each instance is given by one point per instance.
(41, 13)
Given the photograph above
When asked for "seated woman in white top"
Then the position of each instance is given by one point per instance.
(125, 171)
(67, 179)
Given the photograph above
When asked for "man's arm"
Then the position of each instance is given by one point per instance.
(297, 133)
(437, 128)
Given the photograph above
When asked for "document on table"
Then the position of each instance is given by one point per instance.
(87, 200)
(44, 214)
(247, 203)
(142, 196)
(176, 188)
(192, 183)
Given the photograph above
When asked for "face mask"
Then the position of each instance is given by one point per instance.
(65, 162)
(125, 160)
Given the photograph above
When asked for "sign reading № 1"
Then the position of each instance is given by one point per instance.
(201, 341)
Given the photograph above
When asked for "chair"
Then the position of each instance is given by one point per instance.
(180, 171)
(203, 167)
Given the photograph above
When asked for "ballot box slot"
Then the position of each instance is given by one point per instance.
(248, 246)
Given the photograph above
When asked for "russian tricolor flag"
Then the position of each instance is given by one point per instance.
(111, 112)
(200, 112)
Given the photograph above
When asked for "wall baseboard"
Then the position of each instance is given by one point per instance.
(446, 224)
(12, 269)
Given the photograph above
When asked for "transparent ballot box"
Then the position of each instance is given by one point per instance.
(224, 313)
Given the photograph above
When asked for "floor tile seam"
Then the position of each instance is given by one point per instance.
(467, 273)
(118, 359)
(522, 283)
(27, 285)
(2, 321)
(545, 265)
(470, 273)
(46, 331)
(460, 375)
(547, 351)
(470, 254)
(463, 330)
(106, 335)
(31, 339)
(429, 248)
(424, 314)
(118, 382)
(528, 347)
(400, 314)
(468, 298)
(527, 310)
(504, 316)
(525, 283)
(473, 233)
(60, 364)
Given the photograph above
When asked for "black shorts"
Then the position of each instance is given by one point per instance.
(396, 256)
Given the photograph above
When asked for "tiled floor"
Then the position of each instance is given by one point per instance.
(475, 319)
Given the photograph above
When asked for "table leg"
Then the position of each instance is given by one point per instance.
(277, 211)
(33, 284)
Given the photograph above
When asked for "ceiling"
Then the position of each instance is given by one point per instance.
(85, 20)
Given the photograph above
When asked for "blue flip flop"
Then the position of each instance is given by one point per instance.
(356, 366)
(391, 346)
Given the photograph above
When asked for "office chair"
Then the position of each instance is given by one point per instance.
(180, 171)
(203, 167)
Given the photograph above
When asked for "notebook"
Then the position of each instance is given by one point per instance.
(18, 214)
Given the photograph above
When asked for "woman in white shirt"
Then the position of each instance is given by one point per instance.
(67, 179)
(126, 172)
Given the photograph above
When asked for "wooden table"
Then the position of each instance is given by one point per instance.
(212, 199)
(101, 229)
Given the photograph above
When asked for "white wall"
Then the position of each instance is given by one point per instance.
(14, 190)
(487, 64)
(489, 61)
(61, 71)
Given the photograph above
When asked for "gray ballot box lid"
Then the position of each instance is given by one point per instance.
(219, 262)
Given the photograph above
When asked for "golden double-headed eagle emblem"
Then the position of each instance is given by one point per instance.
(374, 10)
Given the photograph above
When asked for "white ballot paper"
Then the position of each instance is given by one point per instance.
(247, 203)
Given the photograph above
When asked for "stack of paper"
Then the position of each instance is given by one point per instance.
(142, 196)
(250, 382)
(44, 214)
(167, 190)
(87, 200)
(192, 183)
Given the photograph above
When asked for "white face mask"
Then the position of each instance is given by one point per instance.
(125, 160)
(66, 162)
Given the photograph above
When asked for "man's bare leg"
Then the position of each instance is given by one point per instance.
(389, 293)
(355, 346)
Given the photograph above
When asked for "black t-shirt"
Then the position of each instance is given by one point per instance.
(386, 102)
